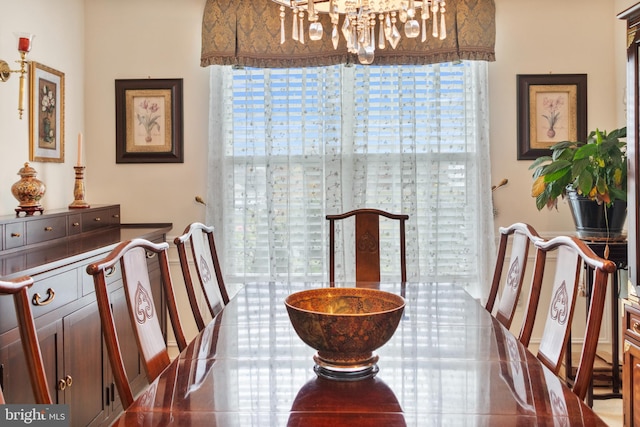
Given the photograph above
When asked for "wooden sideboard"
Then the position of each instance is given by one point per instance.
(55, 249)
(631, 368)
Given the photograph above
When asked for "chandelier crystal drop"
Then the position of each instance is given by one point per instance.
(360, 20)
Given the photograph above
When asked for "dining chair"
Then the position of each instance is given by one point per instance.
(204, 259)
(522, 236)
(571, 254)
(132, 257)
(28, 336)
(367, 243)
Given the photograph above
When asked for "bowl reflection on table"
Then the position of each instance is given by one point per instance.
(345, 326)
(370, 402)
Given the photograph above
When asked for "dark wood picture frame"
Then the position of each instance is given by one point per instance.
(149, 121)
(551, 108)
(46, 114)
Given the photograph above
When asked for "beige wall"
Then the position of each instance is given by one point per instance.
(97, 41)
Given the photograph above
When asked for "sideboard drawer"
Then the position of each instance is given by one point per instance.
(632, 323)
(114, 215)
(74, 222)
(96, 219)
(45, 229)
(14, 235)
(53, 292)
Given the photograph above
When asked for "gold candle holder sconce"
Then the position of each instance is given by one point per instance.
(25, 40)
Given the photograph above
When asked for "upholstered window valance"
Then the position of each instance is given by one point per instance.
(247, 33)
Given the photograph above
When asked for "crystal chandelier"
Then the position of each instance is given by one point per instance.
(360, 20)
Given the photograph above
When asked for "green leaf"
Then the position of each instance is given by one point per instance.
(617, 134)
(557, 165)
(537, 162)
(579, 166)
(557, 169)
(598, 136)
(585, 151)
(617, 194)
(585, 183)
(561, 145)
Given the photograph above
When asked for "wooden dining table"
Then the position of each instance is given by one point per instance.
(448, 363)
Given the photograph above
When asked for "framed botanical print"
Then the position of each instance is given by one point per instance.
(149, 121)
(46, 114)
(551, 108)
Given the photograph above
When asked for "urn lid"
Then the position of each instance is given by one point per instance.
(27, 171)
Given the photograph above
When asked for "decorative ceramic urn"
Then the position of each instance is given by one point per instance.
(28, 191)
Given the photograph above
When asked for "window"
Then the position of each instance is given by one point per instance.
(289, 146)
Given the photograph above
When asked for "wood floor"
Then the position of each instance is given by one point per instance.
(610, 411)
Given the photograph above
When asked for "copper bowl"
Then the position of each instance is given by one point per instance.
(345, 326)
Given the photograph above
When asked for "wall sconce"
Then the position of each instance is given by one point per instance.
(24, 46)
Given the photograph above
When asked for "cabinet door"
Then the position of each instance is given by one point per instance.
(83, 362)
(631, 384)
(15, 376)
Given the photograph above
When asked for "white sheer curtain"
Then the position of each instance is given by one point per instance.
(288, 146)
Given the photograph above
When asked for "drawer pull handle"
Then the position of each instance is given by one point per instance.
(62, 384)
(150, 254)
(15, 234)
(116, 216)
(48, 229)
(109, 271)
(76, 224)
(636, 327)
(97, 219)
(69, 380)
(50, 296)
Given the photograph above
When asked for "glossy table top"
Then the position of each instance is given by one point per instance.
(449, 363)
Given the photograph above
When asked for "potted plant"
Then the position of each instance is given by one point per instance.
(593, 174)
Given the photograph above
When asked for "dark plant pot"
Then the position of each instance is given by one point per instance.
(590, 219)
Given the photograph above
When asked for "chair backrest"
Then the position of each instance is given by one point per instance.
(522, 236)
(571, 254)
(30, 345)
(132, 257)
(367, 243)
(205, 261)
